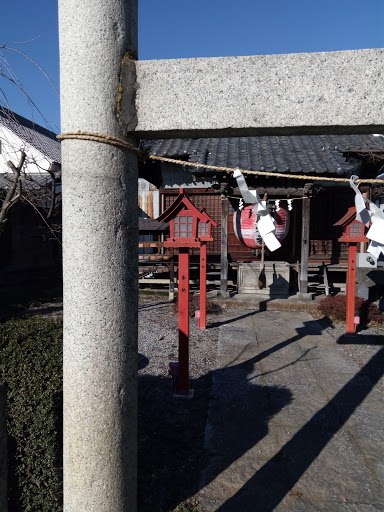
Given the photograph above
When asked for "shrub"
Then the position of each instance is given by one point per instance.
(336, 308)
(31, 367)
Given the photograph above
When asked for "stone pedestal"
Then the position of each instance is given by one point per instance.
(276, 276)
(369, 282)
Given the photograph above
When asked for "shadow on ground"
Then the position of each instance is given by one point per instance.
(289, 464)
(171, 436)
(172, 432)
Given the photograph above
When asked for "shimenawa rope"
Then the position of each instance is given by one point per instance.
(99, 137)
(262, 173)
(114, 141)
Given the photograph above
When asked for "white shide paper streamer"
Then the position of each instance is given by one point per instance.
(367, 212)
(265, 223)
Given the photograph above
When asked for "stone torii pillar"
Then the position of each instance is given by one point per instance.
(100, 234)
(105, 92)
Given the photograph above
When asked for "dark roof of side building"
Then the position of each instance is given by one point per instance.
(304, 154)
(42, 139)
(29, 181)
(152, 225)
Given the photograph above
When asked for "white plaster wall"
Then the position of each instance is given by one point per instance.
(11, 146)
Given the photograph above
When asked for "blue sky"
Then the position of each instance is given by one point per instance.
(188, 28)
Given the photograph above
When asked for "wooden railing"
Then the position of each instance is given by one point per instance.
(156, 256)
(328, 250)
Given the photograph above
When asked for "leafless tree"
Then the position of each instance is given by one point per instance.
(14, 192)
(39, 189)
(8, 76)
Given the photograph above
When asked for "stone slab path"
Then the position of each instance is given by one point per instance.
(294, 424)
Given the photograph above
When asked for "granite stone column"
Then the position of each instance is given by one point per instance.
(100, 217)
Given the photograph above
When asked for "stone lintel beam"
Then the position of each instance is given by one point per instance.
(303, 93)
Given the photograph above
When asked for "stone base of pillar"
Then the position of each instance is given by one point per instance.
(304, 296)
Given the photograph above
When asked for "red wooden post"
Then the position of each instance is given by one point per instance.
(353, 232)
(203, 286)
(351, 289)
(183, 378)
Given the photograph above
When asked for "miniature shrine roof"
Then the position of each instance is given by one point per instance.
(180, 201)
(208, 218)
(348, 217)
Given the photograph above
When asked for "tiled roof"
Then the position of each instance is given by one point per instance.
(29, 181)
(151, 225)
(311, 154)
(40, 138)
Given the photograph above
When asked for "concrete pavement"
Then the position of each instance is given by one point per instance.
(294, 424)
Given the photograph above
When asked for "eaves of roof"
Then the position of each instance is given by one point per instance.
(152, 225)
(180, 201)
(29, 181)
(40, 138)
(312, 154)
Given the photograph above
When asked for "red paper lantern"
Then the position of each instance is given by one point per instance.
(245, 227)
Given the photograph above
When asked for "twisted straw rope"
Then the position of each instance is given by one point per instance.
(99, 137)
(262, 173)
(114, 141)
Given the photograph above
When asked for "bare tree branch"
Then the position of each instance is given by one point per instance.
(53, 195)
(11, 198)
(5, 47)
(45, 222)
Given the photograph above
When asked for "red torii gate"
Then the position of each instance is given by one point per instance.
(188, 228)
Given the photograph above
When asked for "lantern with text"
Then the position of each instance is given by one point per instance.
(353, 231)
(188, 228)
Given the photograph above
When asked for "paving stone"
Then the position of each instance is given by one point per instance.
(334, 361)
(241, 335)
(366, 428)
(253, 495)
(295, 503)
(319, 343)
(287, 373)
(338, 472)
(296, 427)
(306, 401)
(332, 382)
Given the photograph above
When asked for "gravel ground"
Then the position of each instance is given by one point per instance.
(171, 430)
(360, 352)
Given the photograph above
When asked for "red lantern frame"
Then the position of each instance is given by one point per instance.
(353, 232)
(180, 208)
